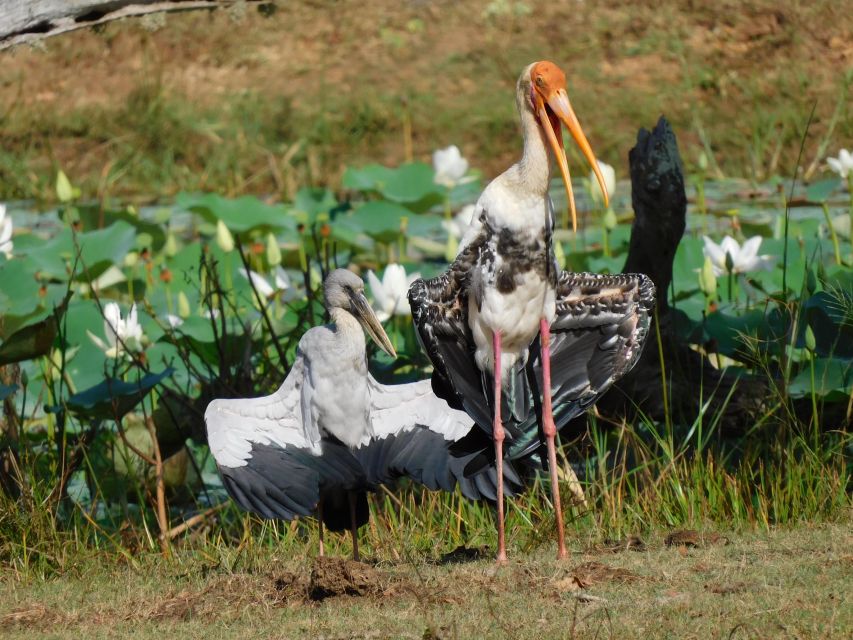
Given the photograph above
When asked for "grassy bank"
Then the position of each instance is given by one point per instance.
(788, 582)
(238, 102)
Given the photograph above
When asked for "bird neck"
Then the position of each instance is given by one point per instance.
(347, 327)
(533, 171)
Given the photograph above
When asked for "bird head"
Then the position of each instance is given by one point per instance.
(345, 290)
(543, 85)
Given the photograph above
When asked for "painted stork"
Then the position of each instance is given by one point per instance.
(331, 431)
(479, 321)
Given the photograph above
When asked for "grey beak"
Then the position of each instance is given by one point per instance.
(364, 313)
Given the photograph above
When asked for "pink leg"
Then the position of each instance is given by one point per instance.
(353, 527)
(550, 433)
(498, 434)
(320, 521)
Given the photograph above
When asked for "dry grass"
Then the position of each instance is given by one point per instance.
(785, 583)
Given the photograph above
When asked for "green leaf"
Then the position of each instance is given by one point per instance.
(821, 190)
(379, 219)
(833, 380)
(94, 218)
(410, 183)
(372, 177)
(33, 340)
(313, 201)
(113, 398)
(18, 289)
(105, 247)
(239, 214)
(99, 249)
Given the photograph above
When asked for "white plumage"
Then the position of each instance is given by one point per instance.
(332, 430)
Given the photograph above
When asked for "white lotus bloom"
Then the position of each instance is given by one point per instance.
(281, 282)
(743, 258)
(449, 165)
(174, 321)
(458, 225)
(609, 175)
(6, 244)
(390, 295)
(843, 164)
(121, 333)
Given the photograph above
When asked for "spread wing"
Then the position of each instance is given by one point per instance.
(597, 336)
(270, 456)
(413, 430)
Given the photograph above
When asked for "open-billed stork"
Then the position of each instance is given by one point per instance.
(331, 432)
(479, 319)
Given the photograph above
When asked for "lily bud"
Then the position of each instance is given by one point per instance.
(224, 238)
(171, 246)
(609, 220)
(183, 305)
(811, 343)
(273, 251)
(707, 279)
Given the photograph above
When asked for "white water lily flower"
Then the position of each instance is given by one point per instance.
(458, 225)
(609, 175)
(121, 333)
(843, 164)
(174, 321)
(390, 295)
(449, 165)
(6, 244)
(743, 258)
(281, 282)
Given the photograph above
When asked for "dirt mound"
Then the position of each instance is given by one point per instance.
(339, 577)
(629, 543)
(591, 573)
(691, 538)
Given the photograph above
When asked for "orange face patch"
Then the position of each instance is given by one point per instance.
(547, 77)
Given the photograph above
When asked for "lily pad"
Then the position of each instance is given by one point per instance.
(310, 202)
(371, 177)
(821, 190)
(113, 398)
(33, 340)
(410, 183)
(833, 380)
(239, 214)
(379, 219)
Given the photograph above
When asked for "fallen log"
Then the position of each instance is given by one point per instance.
(27, 21)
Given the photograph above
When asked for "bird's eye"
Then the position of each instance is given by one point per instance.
(540, 81)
